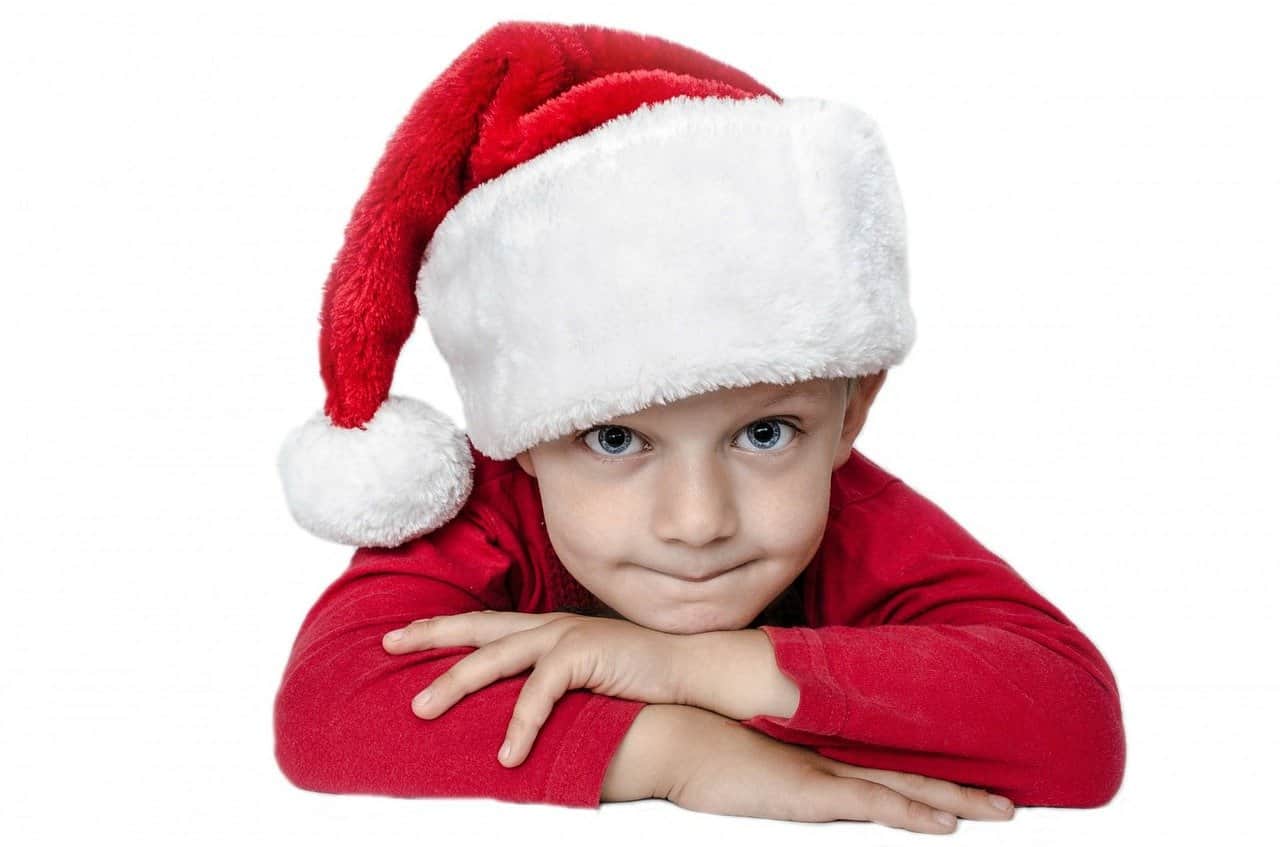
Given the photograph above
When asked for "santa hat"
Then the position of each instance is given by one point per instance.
(592, 221)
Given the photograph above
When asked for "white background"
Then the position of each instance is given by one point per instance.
(1091, 201)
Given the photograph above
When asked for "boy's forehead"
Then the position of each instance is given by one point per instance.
(778, 393)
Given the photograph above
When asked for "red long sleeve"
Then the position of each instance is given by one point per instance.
(343, 722)
(933, 656)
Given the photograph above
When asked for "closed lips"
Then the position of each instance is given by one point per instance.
(709, 577)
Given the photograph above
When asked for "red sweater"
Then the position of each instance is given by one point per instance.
(920, 651)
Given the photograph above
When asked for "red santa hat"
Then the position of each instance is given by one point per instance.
(592, 221)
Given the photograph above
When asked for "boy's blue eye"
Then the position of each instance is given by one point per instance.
(610, 441)
(767, 433)
(611, 438)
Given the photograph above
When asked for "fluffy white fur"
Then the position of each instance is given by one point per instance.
(691, 245)
(407, 472)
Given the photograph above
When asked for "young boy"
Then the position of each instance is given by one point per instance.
(654, 565)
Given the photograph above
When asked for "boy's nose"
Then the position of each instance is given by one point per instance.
(695, 505)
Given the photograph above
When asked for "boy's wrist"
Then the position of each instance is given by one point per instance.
(653, 753)
(735, 674)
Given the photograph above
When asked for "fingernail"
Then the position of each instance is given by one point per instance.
(1001, 803)
(944, 818)
(395, 636)
(420, 702)
(505, 753)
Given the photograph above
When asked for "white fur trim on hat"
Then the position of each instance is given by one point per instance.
(406, 472)
(690, 245)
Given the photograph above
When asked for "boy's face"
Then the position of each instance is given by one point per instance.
(694, 516)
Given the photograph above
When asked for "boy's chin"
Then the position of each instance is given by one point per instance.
(687, 623)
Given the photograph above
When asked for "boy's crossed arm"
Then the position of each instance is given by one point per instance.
(1012, 709)
(1009, 704)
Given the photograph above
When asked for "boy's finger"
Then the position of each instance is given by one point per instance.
(960, 800)
(849, 798)
(505, 657)
(466, 629)
(550, 679)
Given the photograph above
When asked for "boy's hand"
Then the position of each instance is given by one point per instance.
(566, 651)
(729, 769)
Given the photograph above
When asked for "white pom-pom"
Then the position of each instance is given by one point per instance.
(407, 472)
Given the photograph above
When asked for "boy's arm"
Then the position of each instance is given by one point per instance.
(950, 665)
(647, 762)
(343, 722)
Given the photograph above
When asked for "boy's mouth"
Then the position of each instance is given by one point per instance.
(708, 576)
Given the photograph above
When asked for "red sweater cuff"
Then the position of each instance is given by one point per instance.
(577, 775)
(823, 706)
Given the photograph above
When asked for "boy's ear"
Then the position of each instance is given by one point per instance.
(864, 392)
(526, 463)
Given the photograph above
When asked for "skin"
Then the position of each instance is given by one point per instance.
(710, 509)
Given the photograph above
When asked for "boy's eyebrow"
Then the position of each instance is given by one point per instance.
(807, 392)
